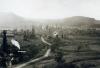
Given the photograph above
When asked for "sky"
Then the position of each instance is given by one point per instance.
(51, 9)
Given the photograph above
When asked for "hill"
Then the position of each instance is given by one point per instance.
(11, 20)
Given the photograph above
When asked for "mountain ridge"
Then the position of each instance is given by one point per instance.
(14, 21)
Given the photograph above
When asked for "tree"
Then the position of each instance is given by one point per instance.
(32, 35)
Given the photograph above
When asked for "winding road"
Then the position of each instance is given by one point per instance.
(46, 55)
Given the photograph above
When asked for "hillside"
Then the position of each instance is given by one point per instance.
(77, 43)
(11, 20)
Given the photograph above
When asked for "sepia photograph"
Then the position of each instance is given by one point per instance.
(49, 33)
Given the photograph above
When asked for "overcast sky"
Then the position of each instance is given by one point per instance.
(52, 9)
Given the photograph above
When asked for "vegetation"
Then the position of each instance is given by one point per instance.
(70, 40)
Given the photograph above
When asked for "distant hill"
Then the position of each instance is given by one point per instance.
(11, 20)
(73, 21)
(79, 19)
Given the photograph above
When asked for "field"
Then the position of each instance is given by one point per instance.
(80, 47)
